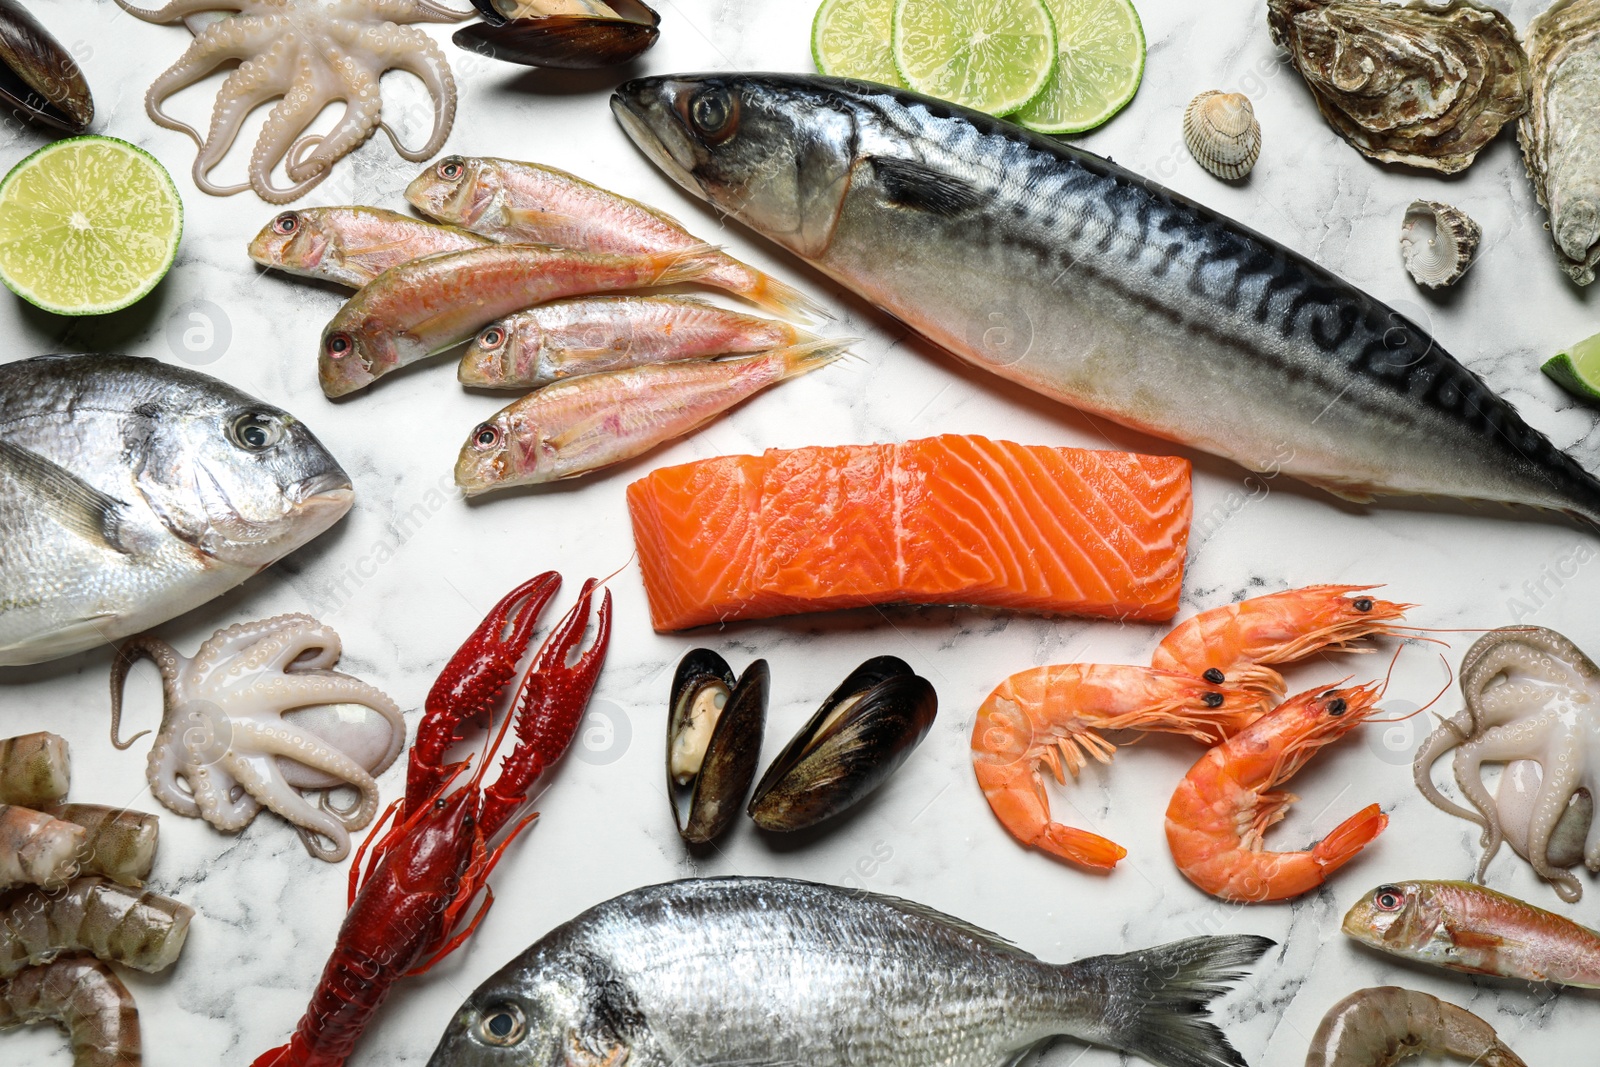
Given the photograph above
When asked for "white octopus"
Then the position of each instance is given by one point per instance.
(1533, 703)
(310, 53)
(256, 716)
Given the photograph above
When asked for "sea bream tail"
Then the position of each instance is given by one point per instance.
(1153, 1003)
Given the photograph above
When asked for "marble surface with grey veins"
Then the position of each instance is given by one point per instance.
(414, 566)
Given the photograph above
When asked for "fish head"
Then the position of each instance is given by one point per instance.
(292, 241)
(491, 456)
(1403, 918)
(242, 481)
(776, 152)
(457, 189)
(351, 357)
(490, 356)
(537, 1011)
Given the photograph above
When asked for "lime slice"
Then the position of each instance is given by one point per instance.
(851, 39)
(87, 225)
(994, 55)
(1100, 60)
(1577, 369)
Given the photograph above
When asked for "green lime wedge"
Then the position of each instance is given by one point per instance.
(1100, 59)
(993, 55)
(1577, 369)
(87, 225)
(851, 39)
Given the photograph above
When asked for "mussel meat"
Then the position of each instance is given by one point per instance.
(861, 734)
(714, 729)
(39, 79)
(569, 34)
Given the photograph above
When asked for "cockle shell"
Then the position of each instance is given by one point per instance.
(1423, 85)
(1560, 134)
(1221, 132)
(1437, 242)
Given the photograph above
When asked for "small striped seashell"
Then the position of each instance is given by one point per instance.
(1437, 242)
(1221, 132)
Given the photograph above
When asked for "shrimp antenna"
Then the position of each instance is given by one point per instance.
(1450, 679)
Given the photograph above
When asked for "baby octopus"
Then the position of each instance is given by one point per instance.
(1532, 697)
(227, 746)
(306, 54)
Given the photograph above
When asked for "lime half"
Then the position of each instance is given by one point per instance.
(1100, 59)
(87, 225)
(1577, 369)
(851, 39)
(993, 55)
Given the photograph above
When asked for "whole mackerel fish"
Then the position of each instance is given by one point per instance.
(719, 971)
(1086, 282)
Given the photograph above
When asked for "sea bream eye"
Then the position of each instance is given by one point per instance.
(286, 223)
(503, 1024)
(255, 432)
(715, 114)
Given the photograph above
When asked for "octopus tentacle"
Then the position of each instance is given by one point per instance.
(216, 790)
(256, 82)
(363, 107)
(297, 110)
(1497, 744)
(417, 11)
(414, 52)
(239, 38)
(333, 688)
(174, 10)
(1449, 736)
(1562, 766)
(167, 661)
(162, 772)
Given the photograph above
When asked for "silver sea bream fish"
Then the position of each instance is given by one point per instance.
(1086, 282)
(721, 971)
(132, 491)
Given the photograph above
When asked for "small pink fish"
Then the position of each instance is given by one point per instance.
(587, 335)
(581, 425)
(512, 201)
(352, 245)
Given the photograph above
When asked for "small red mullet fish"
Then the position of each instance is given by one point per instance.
(588, 335)
(584, 424)
(512, 201)
(1465, 927)
(434, 303)
(352, 245)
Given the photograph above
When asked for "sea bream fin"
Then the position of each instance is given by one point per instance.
(66, 498)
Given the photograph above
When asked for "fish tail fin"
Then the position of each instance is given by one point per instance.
(781, 298)
(809, 355)
(1161, 995)
(691, 264)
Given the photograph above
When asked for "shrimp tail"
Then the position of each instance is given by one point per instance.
(1349, 838)
(1080, 846)
(1158, 998)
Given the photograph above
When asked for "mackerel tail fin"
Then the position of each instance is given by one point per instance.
(1153, 1002)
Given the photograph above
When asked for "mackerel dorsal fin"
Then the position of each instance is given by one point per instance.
(65, 497)
(913, 184)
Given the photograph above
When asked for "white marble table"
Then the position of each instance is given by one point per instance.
(414, 566)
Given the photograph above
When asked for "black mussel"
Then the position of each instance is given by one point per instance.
(39, 79)
(714, 731)
(857, 738)
(576, 39)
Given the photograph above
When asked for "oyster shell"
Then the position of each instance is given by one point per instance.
(1560, 134)
(1221, 132)
(1437, 242)
(1416, 84)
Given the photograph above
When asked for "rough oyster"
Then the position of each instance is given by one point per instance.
(1416, 84)
(1560, 134)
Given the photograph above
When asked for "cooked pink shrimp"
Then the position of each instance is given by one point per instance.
(1225, 804)
(1232, 644)
(1054, 715)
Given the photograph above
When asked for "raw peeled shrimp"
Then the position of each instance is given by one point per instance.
(119, 843)
(89, 1002)
(1232, 644)
(36, 849)
(1382, 1025)
(136, 929)
(33, 770)
(1054, 715)
(1225, 804)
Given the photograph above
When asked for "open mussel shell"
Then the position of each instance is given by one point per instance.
(39, 79)
(857, 739)
(714, 729)
(568, 42)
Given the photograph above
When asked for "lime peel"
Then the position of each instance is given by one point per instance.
(1577, 369)
(1100, 63)
(993, 55)
(88, 225)
(852, 39)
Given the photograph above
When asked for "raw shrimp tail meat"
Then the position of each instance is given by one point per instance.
(84, 997)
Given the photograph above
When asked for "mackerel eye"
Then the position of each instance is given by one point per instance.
(492, 338)
(286, 224)
(503, 1024)
(485, 436)
(451, 169)
(1364, 604)
(339, 345)
(1388, 898)
(715, 114)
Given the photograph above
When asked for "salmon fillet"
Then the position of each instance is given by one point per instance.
(944, 520)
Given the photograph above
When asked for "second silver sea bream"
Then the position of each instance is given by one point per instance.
(1086, 282)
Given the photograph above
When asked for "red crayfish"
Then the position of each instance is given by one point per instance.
(424, 873)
